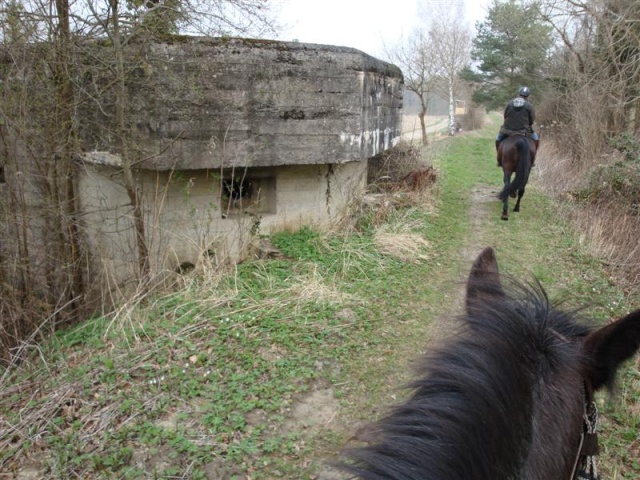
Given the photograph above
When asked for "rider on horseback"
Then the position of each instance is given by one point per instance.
(519, 116)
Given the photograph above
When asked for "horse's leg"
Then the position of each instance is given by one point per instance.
(520, 194)
(505, 202)
(505, 209)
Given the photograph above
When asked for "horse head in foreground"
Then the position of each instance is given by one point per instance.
(517, 154)
(510, 397)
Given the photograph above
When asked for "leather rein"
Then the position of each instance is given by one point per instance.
(584, 467)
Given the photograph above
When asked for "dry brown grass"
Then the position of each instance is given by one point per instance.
(412, 131)
(399, 180)
(475, 118)
(408, 247)
(561, 173)
(25, 321)
(609, 226)
(387, 169)
(612, 233)
(314, 288)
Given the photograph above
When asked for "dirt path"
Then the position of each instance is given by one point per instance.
(320, 408)
(481, 198)
(412, 132)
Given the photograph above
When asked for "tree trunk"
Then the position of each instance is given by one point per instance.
(61, 170)
(123, 135)
(452, 106)
(424, 109)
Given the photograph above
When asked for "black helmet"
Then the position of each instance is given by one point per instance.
(524, 91)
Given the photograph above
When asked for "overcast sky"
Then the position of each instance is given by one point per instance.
(367, 25)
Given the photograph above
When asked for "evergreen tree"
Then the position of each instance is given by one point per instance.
(511, 49)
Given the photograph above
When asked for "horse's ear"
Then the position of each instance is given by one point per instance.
(484, 280)
(611, 345)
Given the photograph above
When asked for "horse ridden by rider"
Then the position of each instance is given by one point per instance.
(519, 116)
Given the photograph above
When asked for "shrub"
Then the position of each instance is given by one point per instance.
(389, 168)
(617, 181)
(626, 144)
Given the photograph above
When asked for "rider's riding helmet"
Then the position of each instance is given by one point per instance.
(524, 91)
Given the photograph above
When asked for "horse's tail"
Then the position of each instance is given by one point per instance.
(522, 169)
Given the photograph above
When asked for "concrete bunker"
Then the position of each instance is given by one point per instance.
(229, 138)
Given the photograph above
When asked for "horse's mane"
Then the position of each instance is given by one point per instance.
(476, 396)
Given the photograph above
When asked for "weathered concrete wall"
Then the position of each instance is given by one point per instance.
(200, 103)
(187, 218)
(297, 122)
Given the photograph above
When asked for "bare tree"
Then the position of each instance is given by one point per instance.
(432, 57)
(48, 49)
(451, 46)
(597, 70)
(415, 57)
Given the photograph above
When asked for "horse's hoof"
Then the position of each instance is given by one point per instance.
(516, 210)
(504, 217)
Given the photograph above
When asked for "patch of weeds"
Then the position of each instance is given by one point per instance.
(89, 334)
(627, 144)
(303, 244)
(66, 454)
(112, 459)
(619, 181)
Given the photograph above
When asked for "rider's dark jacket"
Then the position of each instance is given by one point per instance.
(519, 116)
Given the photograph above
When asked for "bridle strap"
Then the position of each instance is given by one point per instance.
(584, 467)
(574, 471)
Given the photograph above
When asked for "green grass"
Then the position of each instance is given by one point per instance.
(203, 382)
(540, 242)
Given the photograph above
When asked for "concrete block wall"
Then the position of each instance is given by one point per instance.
(184, 213)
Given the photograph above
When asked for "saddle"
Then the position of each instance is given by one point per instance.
(518, 133)
(512, 133)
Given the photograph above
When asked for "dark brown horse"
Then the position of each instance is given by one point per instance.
(517, 154)
(510, 397)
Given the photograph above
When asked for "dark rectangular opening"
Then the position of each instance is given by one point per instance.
(247, 195)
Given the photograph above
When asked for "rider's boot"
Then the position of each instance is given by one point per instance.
(498, 153)
(537, 144)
